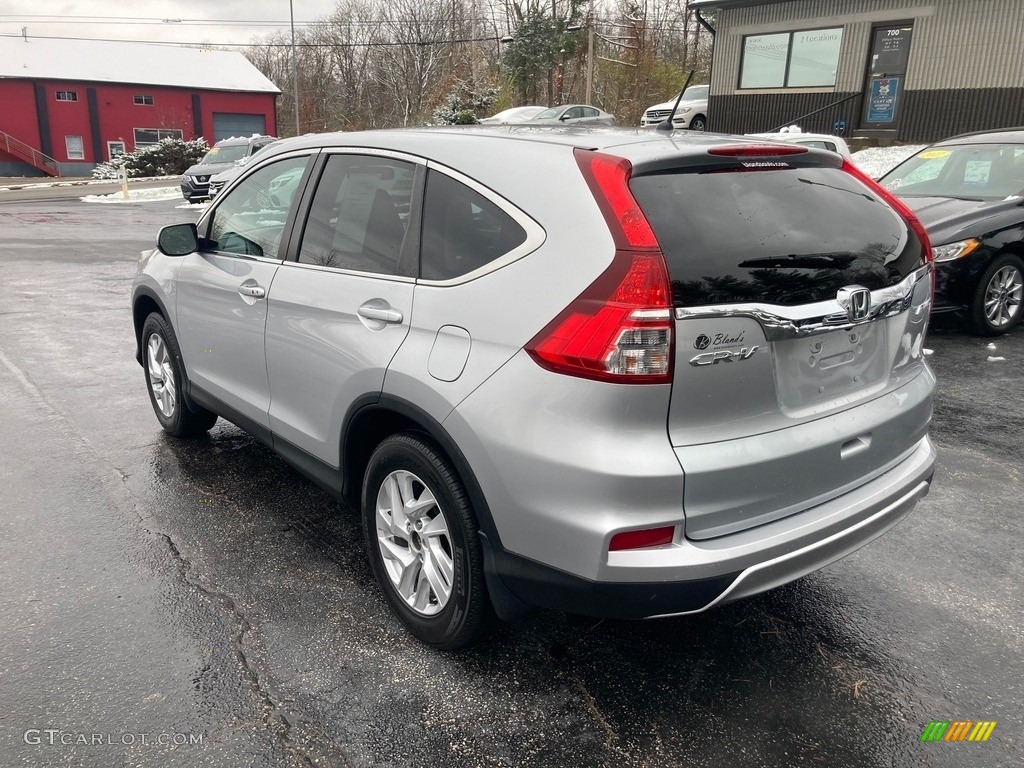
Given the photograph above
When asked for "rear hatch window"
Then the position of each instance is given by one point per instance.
(787, 236)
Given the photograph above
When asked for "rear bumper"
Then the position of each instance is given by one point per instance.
(693, 576)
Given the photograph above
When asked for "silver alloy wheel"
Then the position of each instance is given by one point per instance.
(161, 375)
(1003, 296)
(414, 542)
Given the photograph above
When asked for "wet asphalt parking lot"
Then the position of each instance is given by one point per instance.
(156, 591)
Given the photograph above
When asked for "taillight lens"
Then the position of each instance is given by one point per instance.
(608, 179)
(646, 537)
(908, 215)
(620, 328)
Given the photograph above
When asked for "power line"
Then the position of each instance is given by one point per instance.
(208, 45)
(96, 20)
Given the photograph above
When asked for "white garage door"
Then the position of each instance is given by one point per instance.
(228, 124)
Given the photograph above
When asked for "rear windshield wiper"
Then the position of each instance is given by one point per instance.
(838, 189)
(802, 261)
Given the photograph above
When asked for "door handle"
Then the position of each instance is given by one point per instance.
(254, 291)
(384, 315)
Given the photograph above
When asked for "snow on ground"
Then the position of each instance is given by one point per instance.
(198, 206)
(136, 196)
(877, 161)
(82, 182)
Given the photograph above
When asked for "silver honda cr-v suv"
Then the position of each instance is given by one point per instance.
(615, 373)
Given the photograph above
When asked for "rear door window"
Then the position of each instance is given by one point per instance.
(787, 237)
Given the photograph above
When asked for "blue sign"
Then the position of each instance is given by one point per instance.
(882, 100)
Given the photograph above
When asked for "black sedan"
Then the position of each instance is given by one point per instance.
(968, 192)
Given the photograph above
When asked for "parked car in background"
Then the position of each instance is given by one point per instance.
(692, 113)
(574, 114)
(513, 115)
(969, 193)
(817, 140)
(195, 182)
(676, 373)
(220, 180)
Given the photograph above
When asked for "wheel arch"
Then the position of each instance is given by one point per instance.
(144, 303)
(1014, 248)
(370, 420)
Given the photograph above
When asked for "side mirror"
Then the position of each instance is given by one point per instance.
(178, 240)
(564, 117)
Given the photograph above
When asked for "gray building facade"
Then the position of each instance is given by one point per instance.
(906, 70)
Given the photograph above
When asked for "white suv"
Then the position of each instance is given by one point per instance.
(692, 113)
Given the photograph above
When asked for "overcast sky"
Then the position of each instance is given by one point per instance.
(56, 18)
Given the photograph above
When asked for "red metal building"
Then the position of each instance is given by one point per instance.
(66, 105)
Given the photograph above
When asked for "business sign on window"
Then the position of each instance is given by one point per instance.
(882, 99)
(764, 61)
(806, 59)
(814, 58)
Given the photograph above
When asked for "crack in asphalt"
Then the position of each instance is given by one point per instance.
(611, 736)
(275, 711)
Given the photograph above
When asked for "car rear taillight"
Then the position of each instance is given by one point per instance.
(901, 208)
(620, 328)
(646, 537)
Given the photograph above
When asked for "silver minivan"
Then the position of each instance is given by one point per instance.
(611, 372)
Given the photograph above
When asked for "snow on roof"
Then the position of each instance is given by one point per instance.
(136, 63)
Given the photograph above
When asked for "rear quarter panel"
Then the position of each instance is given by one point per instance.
(502, 310)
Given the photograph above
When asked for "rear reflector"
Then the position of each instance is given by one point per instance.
(757, 150)
(648, 537)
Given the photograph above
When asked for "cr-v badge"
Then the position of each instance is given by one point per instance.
(724, 356)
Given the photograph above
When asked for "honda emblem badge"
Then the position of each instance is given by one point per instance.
(856, 300)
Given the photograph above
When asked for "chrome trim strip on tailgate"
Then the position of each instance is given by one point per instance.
(780, 322)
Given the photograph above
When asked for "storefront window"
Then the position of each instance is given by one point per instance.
(805, 59)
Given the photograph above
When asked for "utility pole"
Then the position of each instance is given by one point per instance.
(295, 70)
(590, 61)
(472, 44)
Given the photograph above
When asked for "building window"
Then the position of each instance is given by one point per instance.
(143, 101)
(147, 137)
(67, 95)
(805, 59)
(114, 149)
(75, 147)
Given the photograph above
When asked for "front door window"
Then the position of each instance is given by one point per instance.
(250, 219)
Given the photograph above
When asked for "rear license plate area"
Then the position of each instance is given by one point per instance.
(817, 373)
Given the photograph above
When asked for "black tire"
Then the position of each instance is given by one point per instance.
(699, 123)
(466, 616)
(180, 420)
(1002, 265)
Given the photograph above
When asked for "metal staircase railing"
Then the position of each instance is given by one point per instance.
(30, 155)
